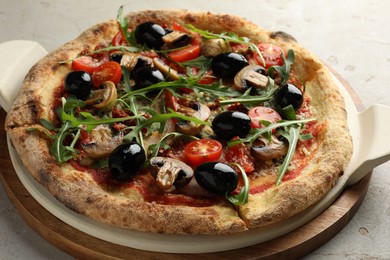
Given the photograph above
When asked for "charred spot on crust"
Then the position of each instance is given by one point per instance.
(282, 35)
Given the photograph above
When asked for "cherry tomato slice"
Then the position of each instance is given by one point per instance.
(272, 55)
(201, 151)
(170, 100)
(119, 39)
(88, 63)
(262, 113)
(186, 54)
(109, 71)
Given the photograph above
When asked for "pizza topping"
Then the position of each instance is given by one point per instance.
(216, 177)
(104, 97)
(126, 160)
(165, 69)
(88, 63)
(213, 47)
(229, 124)
(251, 76)
(188, 53)
(195, 110)
(150, 34)
(227, 65)
(101, 142)
(289, 94)
(271, 54)
(78, 83)
(109, 71)
(170, 173)
(265, 149)
(147, 76)
(261, 113)
(133, 61)
(176, 39)
(202, 150)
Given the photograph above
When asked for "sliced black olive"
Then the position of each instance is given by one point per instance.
(78, 83)
(146, 76)
(289, 94)
(116, 56)
(229, 124)
(218, 178)
(227, 65)
(126, 160)
(150, 34)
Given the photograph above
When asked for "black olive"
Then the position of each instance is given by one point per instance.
(150, 34)
(126, 160)
(78, 83)
(216, 177)
(116, 56)
(146, 76)
(229, 124)
(227, 65)
(289, 94)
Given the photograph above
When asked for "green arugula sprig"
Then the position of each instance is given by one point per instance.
(160, 119)
(291, 130)
(228, 37)
(284, 70)
(129, 35)
(242, 197)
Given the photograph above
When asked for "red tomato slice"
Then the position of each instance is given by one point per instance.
(88, 63)
(170, 100)
(263, 113)
(186, 54)
(119, 39)
(109, 71)
(240, 154)
(272, 55)
(203, 150)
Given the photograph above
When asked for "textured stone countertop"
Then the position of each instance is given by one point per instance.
(352, 36)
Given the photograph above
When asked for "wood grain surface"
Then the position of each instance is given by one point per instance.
(78, 244)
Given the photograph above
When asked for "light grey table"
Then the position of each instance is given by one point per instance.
(353, 36)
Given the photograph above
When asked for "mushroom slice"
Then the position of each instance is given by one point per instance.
(176, 38)
(213, 47)
(165, 69)
(104, 97)
(132, 61)
(197, 110)
(250, 76)
(101, 142)
(265, 149)
(170, 173)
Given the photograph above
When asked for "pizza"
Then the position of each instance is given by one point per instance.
(182, 122)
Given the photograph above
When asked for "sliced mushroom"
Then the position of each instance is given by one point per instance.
(265, 149)
(176, 38)
(104, 97)
(250, 76)
(194, 109)
(170, 173)
(165, 69)
(134, 61)
(213, 47)
(101, 142)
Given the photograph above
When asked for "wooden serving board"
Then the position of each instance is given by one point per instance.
(293, 245)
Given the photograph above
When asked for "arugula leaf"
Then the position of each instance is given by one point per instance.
(61, 152)
(284, 70)
(256, 133)
(292, 136)
(242, 197)
(154, 148)
(160, 118)
(87, 119)
(129, 36)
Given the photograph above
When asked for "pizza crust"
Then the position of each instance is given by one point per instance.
(35, 100)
